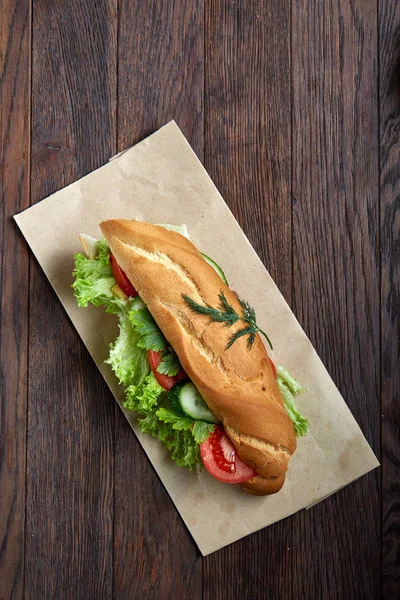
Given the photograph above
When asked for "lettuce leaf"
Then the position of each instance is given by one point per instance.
(289, 388)
(93, 281)
(144, 397)
(293, 385)
(185, 452)
(128, 361)
(138, 332)
(171, 429)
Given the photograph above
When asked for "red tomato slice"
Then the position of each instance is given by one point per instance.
(165, 381)
(122, 279)
(221, 460)
(154, 360)
(273, 367)
(181, 375)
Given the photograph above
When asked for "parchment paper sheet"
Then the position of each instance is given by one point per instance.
(160, 180)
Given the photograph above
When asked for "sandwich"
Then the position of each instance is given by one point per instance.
(190, 355)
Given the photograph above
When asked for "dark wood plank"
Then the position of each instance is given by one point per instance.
(74, 91)
(247, 153)
(160, 69)
(15, 32)
(336, 551)
(160, 77)
(247, 122)
(389, 53)
(69, 527)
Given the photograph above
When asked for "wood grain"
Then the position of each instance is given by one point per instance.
(247, 153)
(247, 122)
(160, 77)
(15, 32)
(389, 59)
(74, 54)
(160, 69)
(69, 519)
(336, 271)
(280, 100)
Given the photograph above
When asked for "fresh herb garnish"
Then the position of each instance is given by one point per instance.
(200, 429)
(169, 364)
(227, 315)
(151, 337)
(179, 422)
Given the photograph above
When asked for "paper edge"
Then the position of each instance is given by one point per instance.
(204, 553)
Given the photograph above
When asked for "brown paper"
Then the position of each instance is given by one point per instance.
(160, 180)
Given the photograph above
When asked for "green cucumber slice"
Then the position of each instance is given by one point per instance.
(193, 404)
(216, 267)
(173, 397)
(185, 398)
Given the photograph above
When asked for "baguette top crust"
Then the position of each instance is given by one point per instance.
(238, 384)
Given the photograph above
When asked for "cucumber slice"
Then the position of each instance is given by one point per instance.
(174, 399)
(216, 267)
(192, 403)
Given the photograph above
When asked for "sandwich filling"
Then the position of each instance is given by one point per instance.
(168, 404)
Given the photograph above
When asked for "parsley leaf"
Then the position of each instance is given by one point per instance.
(169, 416)
(151, 337)
(201, 430)
(170, 364)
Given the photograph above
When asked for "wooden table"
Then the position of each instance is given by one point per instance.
(294, 109)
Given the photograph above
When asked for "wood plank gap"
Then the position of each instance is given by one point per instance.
(14, 194)
(378, 81)
(389, 60)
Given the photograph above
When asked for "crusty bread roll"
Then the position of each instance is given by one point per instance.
(237, 384)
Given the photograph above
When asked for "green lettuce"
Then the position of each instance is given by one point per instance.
(138, 332)
(144, 398)
(128, 361)
(289, 388)
(173, 430)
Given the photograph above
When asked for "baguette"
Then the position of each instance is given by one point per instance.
(237, 384)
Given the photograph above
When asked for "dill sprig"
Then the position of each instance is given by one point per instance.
(228, 316)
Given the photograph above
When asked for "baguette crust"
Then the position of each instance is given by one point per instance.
(237, 384)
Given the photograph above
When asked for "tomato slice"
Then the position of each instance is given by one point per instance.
(273, 367)
(154, 360)
(221, 460)
(121, 278)
(181, 375)
(165, 381)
